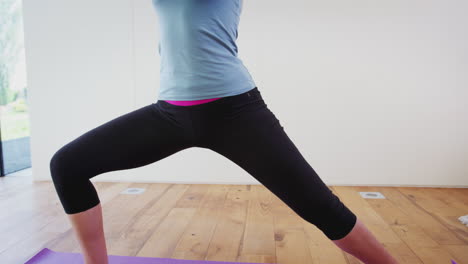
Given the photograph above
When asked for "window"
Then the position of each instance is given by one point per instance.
(14, 115)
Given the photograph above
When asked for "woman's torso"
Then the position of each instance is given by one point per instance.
(199, 54)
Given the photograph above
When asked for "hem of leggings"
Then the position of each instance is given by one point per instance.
(349, 229)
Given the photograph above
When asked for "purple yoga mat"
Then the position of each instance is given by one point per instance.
(47, 256)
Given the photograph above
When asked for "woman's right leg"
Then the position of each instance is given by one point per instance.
(132, 140)
(251, 136)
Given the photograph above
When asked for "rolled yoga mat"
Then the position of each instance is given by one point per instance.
(47, 256)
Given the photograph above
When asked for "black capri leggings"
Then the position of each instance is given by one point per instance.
(239, 127)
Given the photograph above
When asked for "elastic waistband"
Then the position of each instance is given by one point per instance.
(251, 94)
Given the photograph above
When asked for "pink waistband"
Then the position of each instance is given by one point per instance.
(194, 102)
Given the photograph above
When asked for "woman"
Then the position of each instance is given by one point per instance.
(207, 99)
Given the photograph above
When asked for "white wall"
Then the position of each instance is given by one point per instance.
(371, 92)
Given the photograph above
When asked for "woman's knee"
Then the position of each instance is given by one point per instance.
(60, 164)
(67, 168)
(72, 183)
(57, 165)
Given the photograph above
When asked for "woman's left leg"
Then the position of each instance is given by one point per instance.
(252, 137)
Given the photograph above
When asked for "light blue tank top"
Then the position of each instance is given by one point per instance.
(198, 49)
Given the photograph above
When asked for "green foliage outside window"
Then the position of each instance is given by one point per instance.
(11, 45)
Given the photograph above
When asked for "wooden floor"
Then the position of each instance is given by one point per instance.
(244, 223)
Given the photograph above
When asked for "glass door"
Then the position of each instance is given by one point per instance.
(14, 115)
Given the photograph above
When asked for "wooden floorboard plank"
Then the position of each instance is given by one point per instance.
(460, 253)
(196, 238)
(167, 235)
(445, 211)
(290, 238)
(258, 243)
(431, 226)
(135, 227)
(226, 241)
